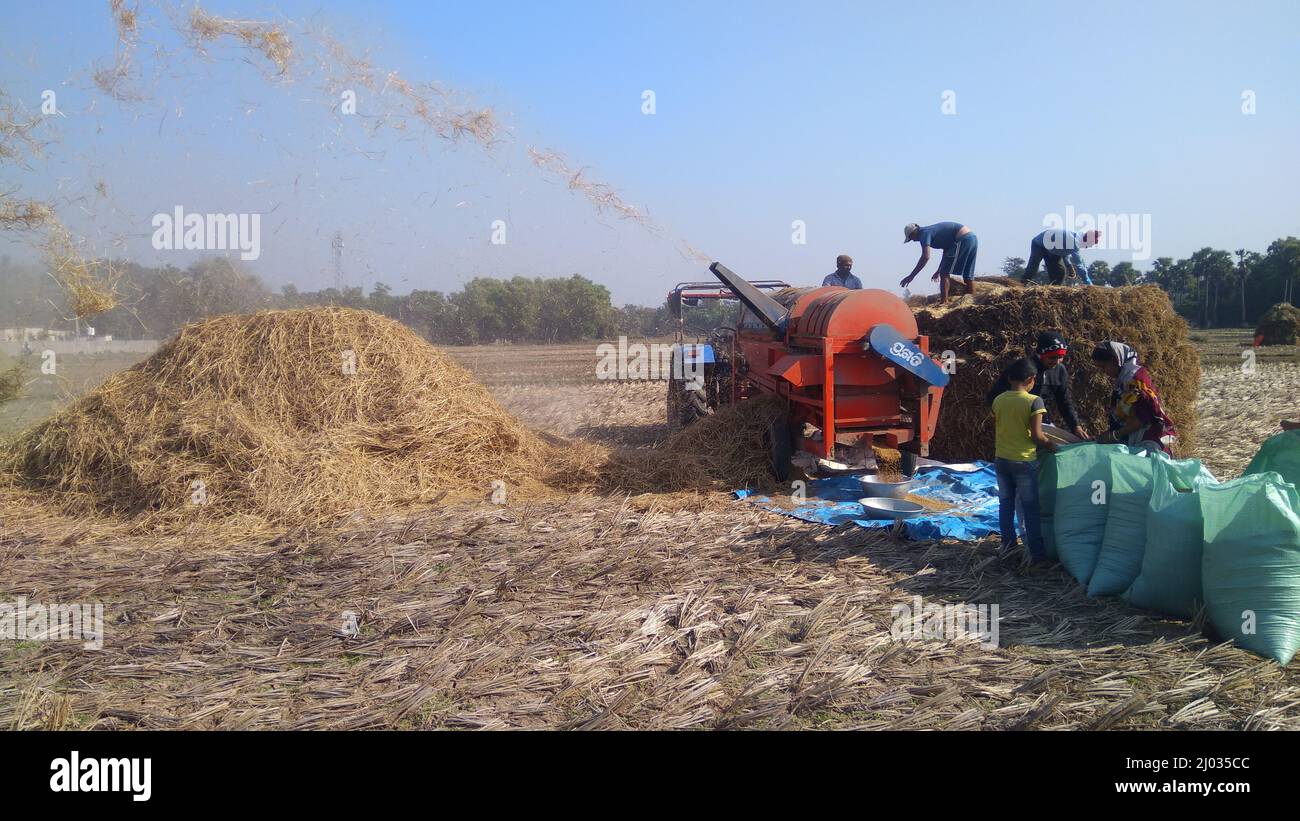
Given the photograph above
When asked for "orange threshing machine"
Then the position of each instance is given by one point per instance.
(851, 365)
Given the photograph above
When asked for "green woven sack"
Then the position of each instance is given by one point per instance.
(1250, 571)
(1280, 454)
(1079, 521)
(1047, 497)
(1170, 580)
(1124, 535)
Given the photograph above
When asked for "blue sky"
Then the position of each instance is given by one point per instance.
(766, 113)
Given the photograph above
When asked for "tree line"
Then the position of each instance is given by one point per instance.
(156, 302)
(1210, 288)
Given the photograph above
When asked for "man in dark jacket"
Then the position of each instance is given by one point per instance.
(1053, 380)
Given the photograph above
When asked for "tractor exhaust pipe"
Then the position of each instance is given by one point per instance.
(774, 314)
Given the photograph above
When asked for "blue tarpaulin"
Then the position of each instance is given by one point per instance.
(973, 495)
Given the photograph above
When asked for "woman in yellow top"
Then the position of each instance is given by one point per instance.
(1018, 417)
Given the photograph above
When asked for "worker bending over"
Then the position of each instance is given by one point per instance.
(958, 244)
(1050, 379)
(1060, 250)
(843, 276)
(1136, 415)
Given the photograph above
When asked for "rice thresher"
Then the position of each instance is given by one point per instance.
(850, 364)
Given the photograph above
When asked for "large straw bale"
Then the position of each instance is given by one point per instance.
(991, 329)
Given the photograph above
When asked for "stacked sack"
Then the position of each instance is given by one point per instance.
(1165, 535)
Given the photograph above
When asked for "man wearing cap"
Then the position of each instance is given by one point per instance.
(1060, 250)
(1053, 379)
(843, 276)
(958, 244)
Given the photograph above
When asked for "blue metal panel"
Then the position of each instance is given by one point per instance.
(890, 344)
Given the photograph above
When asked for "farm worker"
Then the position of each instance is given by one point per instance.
(1136, 416)
(958, 244)
(1060, 250)
(843, 276)
(1051, 376)
(1018, 424)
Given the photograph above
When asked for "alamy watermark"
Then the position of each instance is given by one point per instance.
(1119, 232)
(651, 362)
(208, 232)
(23, 621)
(919, 621)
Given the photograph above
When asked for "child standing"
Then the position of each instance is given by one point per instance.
(1018, 417)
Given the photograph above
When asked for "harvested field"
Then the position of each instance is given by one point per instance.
(598, 611)
(993, 328)
(1239, 410)
(588, 613)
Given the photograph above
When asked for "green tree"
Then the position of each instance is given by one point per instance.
(1123, 274)
(1099, 272)
(1013, 267)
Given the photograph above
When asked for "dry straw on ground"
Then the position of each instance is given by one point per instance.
(585, 612)
(997, 325)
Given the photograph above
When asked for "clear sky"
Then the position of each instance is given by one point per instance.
(830, 113)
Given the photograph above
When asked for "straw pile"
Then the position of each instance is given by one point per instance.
(724, 451)
(12, 378)
(1280, 325)
(991, 329)
(260, 410)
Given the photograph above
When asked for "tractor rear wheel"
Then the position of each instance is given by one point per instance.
(686, 404)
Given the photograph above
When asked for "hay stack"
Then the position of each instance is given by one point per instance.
(258, 407)
(994, 328)
(1280, 325)
(957, 290)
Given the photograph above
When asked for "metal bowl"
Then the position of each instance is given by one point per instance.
(884, 508)
(885, 490)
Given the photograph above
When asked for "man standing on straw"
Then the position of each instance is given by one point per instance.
(958, 244)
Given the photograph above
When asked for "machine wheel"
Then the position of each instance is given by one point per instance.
(779, 447)
(685, 405)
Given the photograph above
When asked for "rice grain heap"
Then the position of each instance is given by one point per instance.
(992, 329)
(284, 415)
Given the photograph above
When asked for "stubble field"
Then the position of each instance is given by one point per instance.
(587, 611)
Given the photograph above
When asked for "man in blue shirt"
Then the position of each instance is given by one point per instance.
(1060, 249)
(843, 276)
(958, 244)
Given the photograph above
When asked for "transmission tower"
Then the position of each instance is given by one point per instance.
(337, 245)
